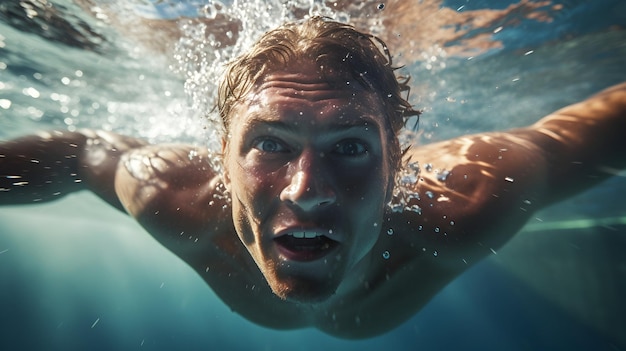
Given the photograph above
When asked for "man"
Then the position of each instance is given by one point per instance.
(318, 217)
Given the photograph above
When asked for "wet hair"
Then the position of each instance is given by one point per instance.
(339, 50)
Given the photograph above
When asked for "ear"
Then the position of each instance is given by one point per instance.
(391, 184)
(225, 173)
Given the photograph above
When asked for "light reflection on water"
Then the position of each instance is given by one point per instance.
(132, 75)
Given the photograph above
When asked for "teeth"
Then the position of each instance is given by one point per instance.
(305, 235)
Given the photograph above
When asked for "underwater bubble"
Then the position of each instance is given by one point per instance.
(430, 194)
(32, 92)
(429, 167)
(408, 179)
(413, 195)
(397, 208)
(443, 176)
(435, 253)
(386, 255)
(212, 9)
(437, 229)
(390, 231)
(381, 6)
(415, 208)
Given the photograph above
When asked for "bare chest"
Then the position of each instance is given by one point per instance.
(394, 290)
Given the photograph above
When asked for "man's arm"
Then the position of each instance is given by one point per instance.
(172, 190)
(582, 144)
(49, 165)
(494, 181)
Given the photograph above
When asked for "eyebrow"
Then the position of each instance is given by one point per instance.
(341, 126)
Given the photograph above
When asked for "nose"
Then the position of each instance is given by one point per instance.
(309, 188)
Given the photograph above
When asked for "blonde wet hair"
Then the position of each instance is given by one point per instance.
(341, 51)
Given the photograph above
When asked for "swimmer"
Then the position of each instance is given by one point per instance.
(301, 228)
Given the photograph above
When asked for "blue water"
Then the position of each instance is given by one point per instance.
(76, 274)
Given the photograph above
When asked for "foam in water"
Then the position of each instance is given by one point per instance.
(202, 57)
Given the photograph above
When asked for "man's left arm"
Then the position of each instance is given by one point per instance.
(479, 190)
(581, 144)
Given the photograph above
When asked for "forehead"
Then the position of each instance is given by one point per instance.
(301, 92)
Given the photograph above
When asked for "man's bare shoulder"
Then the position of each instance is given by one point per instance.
(174, 191)
(470, 195)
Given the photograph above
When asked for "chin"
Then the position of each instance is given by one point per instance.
(305, 296)
(303, 290)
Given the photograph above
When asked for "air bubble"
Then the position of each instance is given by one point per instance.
(386, 255)
(390, 231)
(408, 179)
(414, 166)
(443, 176)
(415, 208)
(397, 208)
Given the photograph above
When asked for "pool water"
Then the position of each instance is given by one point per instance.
(77, 274)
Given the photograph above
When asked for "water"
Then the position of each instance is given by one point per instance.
(77, 274)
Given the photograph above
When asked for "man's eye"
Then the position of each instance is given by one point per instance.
(351, 148)
(269, 145)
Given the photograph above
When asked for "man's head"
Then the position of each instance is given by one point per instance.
(311, 116)
(338, 49)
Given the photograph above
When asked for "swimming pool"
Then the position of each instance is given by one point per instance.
(77, 274)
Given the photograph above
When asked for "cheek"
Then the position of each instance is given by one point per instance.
(367, 185)
(254, 188)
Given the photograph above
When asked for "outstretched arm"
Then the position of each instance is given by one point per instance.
(169, 189)
(494, 181)
(582, 144)
(49, 165)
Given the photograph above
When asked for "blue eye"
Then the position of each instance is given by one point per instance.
(351, 148)
(269, 145)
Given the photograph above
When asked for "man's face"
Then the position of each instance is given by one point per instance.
(307, 166)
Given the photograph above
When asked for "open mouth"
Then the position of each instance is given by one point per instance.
(305, 246)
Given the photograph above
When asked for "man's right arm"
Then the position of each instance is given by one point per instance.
(48, 165)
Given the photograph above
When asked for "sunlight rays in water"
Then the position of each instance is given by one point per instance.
(581, 223)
